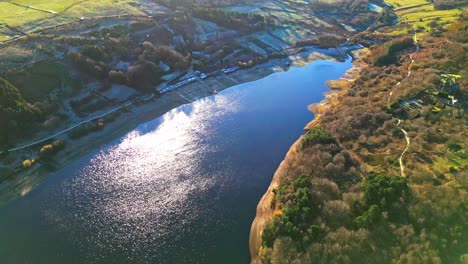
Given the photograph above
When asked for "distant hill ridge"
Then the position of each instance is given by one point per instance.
(204, 3)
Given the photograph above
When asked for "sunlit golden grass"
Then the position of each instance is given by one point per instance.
(421, 16)
(103, 8)
(403, 3)
(419, 13)
(15, 16)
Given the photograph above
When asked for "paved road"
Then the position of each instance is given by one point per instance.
(75, 126)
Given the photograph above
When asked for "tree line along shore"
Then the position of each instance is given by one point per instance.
(340, 195)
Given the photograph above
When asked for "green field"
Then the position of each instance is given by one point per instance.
(421, 16)
(34, 15)
(420, 13)
(52, 5)
(403, 3)
(16, 16)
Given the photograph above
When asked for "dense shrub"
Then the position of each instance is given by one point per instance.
(382, 194)
(158, 53)
(317, 135)
(95, 53)
(117, 77)
(328, 41)
(379, 220)
(16, 115)
(49, 150)
(230, 19)
(369, 217)
(27, 163)
(297, 214)
(88, 65)
(448, 4)
(306, 42)
(340, 5)
(386, 55)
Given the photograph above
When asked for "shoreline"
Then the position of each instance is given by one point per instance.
(264, 210)
(141, 113)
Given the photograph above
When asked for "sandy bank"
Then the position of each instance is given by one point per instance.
(264, 211)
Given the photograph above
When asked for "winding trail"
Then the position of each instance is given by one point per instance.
(408, 142)
(409, 69)
(407, 138)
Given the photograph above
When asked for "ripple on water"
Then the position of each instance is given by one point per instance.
(132, 195)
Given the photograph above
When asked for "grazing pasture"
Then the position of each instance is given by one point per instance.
(21, 17)
(419, 14)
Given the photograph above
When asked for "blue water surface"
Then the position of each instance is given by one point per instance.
(182, 188)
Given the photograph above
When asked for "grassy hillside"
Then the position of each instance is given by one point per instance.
(16, 115)
(420, 14)
(37, 81)
(53, 5)
(423, 15)
(348, 200)
(18, 17)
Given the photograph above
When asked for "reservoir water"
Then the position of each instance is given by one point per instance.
(182, 188)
